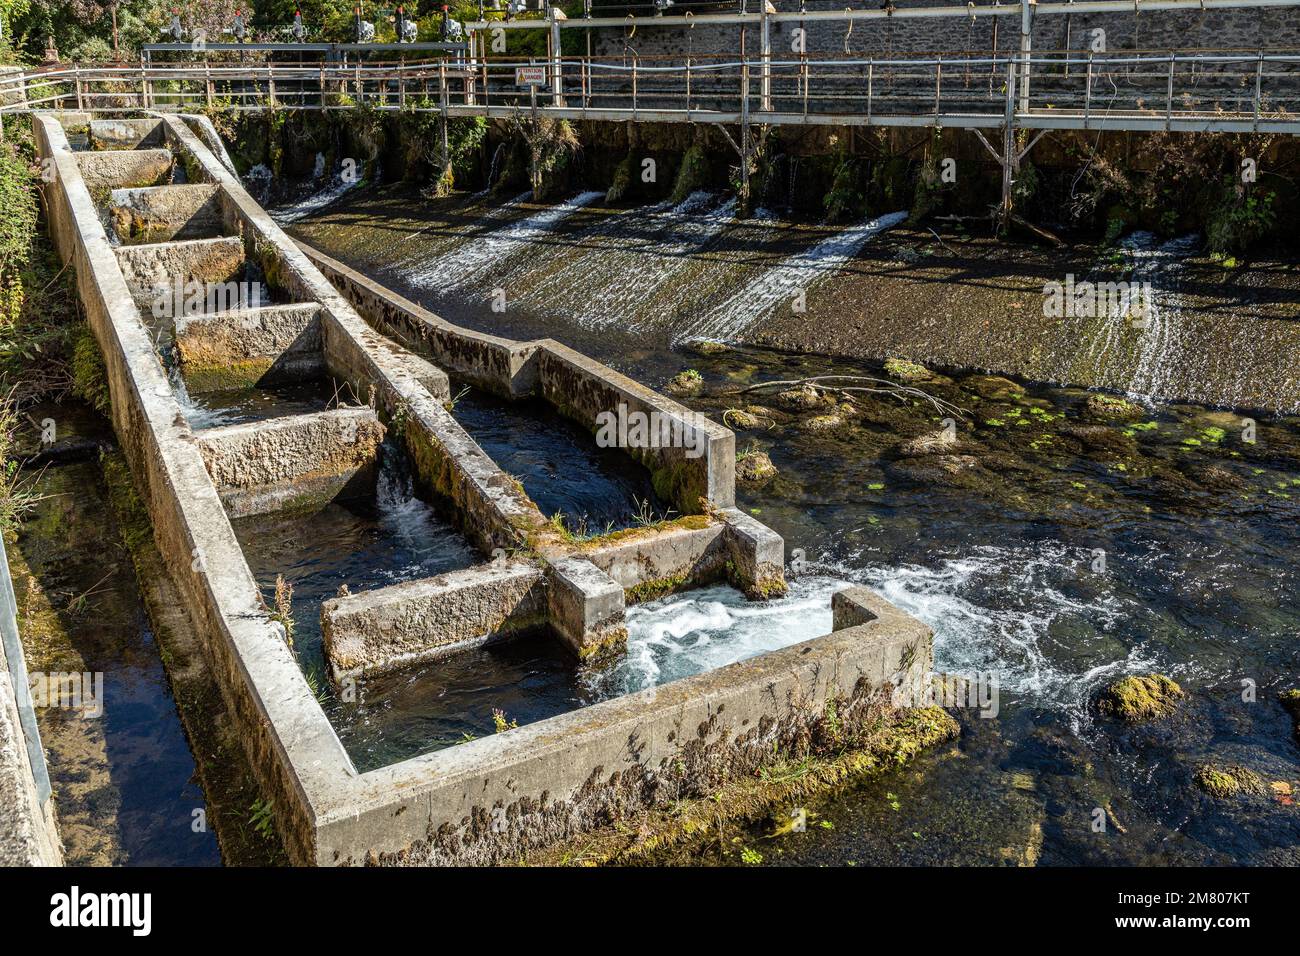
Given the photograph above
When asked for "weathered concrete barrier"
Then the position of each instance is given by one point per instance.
(124, 169)
(286, 463)
(268, 345)
(118, 134)
(161, 213)
(492, 798)
(696, 462)
(403, 624)
(158, 273)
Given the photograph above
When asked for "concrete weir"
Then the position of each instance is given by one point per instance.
(492, 798)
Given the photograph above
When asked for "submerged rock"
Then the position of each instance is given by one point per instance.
(689, 382)
(1227, 782)
(754, 468)
(802, 399)
(1101, 438)
(708, 347)
(1214, 476)
(1111, 406)
(1135, 699)
(941, 442)
(824, 424)
(993, 387)
(906, 372)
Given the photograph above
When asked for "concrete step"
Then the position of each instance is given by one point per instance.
(152, 214)
(239, 348)
(160, 274)
(108, 134)
(121, 168)
(293, 462)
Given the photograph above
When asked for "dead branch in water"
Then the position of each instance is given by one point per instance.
(874, 386)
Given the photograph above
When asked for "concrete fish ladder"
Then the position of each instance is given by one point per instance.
(497, 797)
(780, 284)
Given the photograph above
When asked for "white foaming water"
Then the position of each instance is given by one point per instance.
(482, 254)
(782, 283)
(1162, 357)
(318, 200)
(612, 284)
(995, 609)
(701, 630)
(999, 610)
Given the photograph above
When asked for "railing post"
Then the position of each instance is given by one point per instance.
(938, 84)
(207, 84)
(1169, 93)
(1087, 94)
(144, 83)
(401, 86)
(634, 85)
(1259, 87)
(270, 84)
(744, 136)
(1026, 46)
(765, 55)
(871, 79)
(557, 63)
(76, 79)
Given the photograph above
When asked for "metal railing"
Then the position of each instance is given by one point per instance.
(1235, 91)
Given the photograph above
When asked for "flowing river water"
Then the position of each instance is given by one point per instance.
(1061, 544)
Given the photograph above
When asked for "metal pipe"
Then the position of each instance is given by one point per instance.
(898, 13)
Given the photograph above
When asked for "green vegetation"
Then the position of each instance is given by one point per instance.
(693, 174)
(1227, 782)
(1136, 699)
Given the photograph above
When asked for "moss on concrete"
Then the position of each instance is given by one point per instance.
(838, 758)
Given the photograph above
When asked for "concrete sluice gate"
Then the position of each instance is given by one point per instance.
(154, 219)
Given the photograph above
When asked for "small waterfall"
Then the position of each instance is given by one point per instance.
(485, 254)
(1152, 358)
(343, 181)
(632, 256)
(495, 166)
(708, 628)
(783, 282)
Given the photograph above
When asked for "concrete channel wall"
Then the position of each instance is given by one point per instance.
(493, 798)
(28, 831)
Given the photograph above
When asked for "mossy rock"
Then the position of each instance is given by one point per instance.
(1228, 782)
(750, 418)
(1136, 699)
(802, 399)
(993, 387)
(708, 347)
(907, 372)
(689, 382)
(824, 424)
(1111, 406)
(754, 468)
